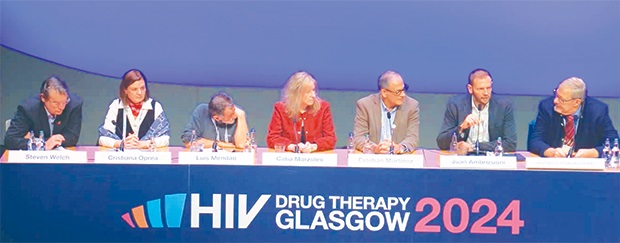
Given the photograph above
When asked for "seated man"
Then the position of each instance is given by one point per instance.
(220, 120)
(387, 116)
(571, 123)
(54, 111)
(479, 109)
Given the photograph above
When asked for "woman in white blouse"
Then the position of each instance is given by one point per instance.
(145, 117)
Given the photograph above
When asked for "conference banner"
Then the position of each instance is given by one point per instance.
(198, 203)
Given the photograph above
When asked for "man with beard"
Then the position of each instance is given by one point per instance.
(479, 116)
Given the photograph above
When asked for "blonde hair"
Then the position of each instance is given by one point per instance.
(292, 97)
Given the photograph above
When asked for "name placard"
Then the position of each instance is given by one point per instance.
(386, 161)
(565, 163)
(65, 156)
(478, 162)
(132, 157)
(216, 158)
(293, 159)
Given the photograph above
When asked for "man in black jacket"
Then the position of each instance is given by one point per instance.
(54, 111)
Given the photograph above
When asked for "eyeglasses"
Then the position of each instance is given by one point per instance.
(555, 92)
(399, 92)
(60, 103)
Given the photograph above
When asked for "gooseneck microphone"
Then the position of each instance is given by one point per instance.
(389, 116)
(303, 138)
(479, 129)
(296, 136)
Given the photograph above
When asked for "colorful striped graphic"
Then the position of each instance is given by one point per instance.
(174, 204)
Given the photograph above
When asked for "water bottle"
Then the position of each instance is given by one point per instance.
(253, 140)
(193, 146)
(607, 153)
(453, 143)
(152, 145)
(614, 154)
(247, 146)
(367, 145)
(32, 145)
(41, 142)
(350, 145)
(499, 149)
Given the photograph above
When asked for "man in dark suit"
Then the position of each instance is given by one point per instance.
(479, 115)
(54, 111)
(402, 126)
(571, 124)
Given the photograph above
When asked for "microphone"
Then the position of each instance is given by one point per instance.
(121, 146)
(389, 116)
(296, 137)
(214, 146)
(303, 138)
(478, 137)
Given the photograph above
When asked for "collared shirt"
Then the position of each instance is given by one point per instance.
(50, 119)
(576, 115)
(386, 130)
(483, 126)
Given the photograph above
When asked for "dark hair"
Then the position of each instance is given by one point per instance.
(219, 102)
(129, 78)
(477, 73)
(54, 83)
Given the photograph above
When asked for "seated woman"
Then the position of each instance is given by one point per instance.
(301, 118)
(145, 117)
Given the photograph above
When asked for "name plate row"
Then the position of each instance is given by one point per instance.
(295, 159)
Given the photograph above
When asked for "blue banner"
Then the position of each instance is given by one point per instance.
(131, 203)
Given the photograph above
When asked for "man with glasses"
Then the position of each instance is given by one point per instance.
(390, 118)
(571, 124)
(220, 120)
(479, 116)
(54, 111)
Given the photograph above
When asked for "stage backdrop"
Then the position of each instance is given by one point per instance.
(529, 46)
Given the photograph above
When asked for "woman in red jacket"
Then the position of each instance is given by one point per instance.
(301, 118)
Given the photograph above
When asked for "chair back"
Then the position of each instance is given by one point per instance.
(530, 130)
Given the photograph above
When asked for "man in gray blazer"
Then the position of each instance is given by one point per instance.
(387, 116)
(479, 110)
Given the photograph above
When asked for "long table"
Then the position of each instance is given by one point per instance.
(199, 203)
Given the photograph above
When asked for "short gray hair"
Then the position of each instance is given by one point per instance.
(219, 102)
(577, 87)
(55, 84)
(385, 79)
